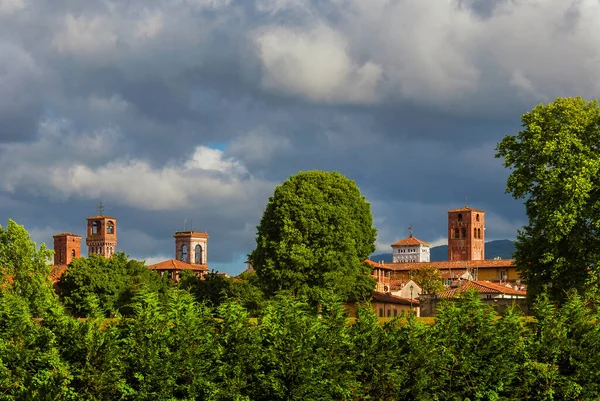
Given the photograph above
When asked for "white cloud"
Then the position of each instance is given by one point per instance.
(315, 65)
(207, 177)
(258, 146)
(151, 25)
(8, 7)
(87, 36)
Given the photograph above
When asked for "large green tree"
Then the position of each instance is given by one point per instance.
(555, 162)
(106, 285)
(314, 234)
(24, 268)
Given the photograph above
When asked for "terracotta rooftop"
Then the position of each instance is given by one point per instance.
(201, 234)
(444, 265)
(466, 209)
(483, 287)
(174, 264)
(65, 234)
(56, 272)
(411, 241)
(392, 299)
(377, 265)
(100, 216)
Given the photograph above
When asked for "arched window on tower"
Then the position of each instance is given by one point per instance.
(184, 253)
(477, 217)
(464, 233)
(460, 217)
(474, 233)
(456, 233)
(198, 255)
(479, 233)
(72, 253)
(110, 227)
(95, 227)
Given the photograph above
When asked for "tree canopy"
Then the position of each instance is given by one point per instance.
(429, 279)
(314, 234)
(24, 269)
(555, 162)
(104, 284)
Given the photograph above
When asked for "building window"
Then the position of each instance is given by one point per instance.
(474, 233)
(479, 233)
(477, 217)
(395, 312)
(389, 312)
(380, 312)
(110, 227)
(184, 253)
(464, 233)
(198, 255)
(95, 227)
(460, 217)
(73, 253)
(62, 258)
(456, 233)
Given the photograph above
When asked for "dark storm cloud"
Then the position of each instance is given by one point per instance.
(117, 102)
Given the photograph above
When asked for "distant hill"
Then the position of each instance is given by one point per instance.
(502, 248)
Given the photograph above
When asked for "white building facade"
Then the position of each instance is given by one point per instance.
(411, 249)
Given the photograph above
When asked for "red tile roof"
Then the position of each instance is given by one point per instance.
(483, 287)
(392, 299)
(466, 209)
(56, 272)
(377, 265)
(195, 234)
(174, 264)
(444, 265)
(411, 241)
(66, 234)
(100, 217)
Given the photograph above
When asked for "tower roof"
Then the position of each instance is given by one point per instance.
(466, 209)
(66, 235)
(100, 217)
(411, 241)
(194, 234)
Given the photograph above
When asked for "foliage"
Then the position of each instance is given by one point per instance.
(429, 279)
(23, 268)
(30, 363)
(106, 284)
(555, 166)
(213, 289)
(316, 231)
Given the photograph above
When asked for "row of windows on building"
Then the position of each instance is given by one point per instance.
(99, 250)
(406, 250)
(460, 217)
(389, 312)
(458, 233)
(197, 254)
(110, 227)
(62, 255)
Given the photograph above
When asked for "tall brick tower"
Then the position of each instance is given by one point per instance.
(67, 247)
(466, 234)
(101, 234)
(191, 247)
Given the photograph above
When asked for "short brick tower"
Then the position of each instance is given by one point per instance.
(191, 247)
(67, 247)
(466, 234)
(101, 234)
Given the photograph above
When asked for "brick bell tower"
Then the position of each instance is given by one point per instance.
(67, 247)
(101, 234)
(466, 234)
(191, 247)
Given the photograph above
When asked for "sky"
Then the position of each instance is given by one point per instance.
(170, 111)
